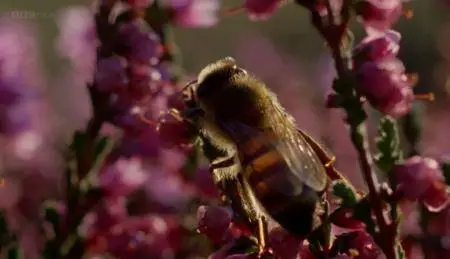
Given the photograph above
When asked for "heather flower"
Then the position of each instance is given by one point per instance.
(111, 75)
(194, 13)
(77, 40)
(168, 190)
(109, 212)
(213, 221)
(379, 15)
(205, 184)
(140, 3)
(421, 178)
(376, 47)
(14, 96)
(358, 244)
(139, 237)
(141, 43)
(123, 177)
(174, 132)
(261, 9)
(283, 244)
(343, 217)
(385, 86)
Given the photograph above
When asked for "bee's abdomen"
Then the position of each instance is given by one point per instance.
(269, 177)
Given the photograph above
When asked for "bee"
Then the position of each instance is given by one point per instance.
(264, 165)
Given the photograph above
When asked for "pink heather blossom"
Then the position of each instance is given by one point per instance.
(173, 132)
(111, 74)
(10, 193)
(151, 236)
(141, 43)
(262, 9)
(77, 39)
(194, 13)
(168, 190)
(376, 47)
(205, 184)
(343, 217)
(283, 244)
(213, 221)
(145, 80)
(379, 15)
(123, 177)
(242, 256)
(140, 3)
(421, 178)
(386, 86)
(359, 241)
(109, 212)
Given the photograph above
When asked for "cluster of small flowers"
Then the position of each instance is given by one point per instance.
(144, 183)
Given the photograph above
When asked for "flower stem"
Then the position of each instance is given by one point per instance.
(332, 33)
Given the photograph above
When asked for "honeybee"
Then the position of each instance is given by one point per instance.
(260, 160)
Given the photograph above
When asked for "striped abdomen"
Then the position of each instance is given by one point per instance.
(276, 187)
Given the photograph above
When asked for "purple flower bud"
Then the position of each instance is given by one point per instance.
(140, 3)
(359, 244)
(305, 253)
(242, 256)
(213, 221)
(142, 44)
(379, 14)
(139, 237)
(283, 244)
(109, 212)
(195, 13)
(123, 177)
(205, 184)
(386, 86)
(77, 39)
(144, 80)
(343, 217)
(376, 47)
(174, 132)
(261, 9)
(111, 74)
(421, 178)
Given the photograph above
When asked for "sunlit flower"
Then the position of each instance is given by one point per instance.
(421, 178)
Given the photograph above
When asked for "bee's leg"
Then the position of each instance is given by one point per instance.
(263, 237)
(327, 160)
(259, 220)
(226, 174)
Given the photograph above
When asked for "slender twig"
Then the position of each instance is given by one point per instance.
(386, 238)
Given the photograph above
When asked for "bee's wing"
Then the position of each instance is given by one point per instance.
(302, 164)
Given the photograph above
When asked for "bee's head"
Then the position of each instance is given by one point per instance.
(215, 76)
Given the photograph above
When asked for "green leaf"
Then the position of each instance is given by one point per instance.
(388, 144)
(14, 252)
(400, 252)
(363, 212)
(446, 170)
(79, 142)
(102, 148)
(345, 192)
(3, 224)
(51, 214)
(192, 161)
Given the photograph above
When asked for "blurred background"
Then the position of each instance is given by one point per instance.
(284, 51)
